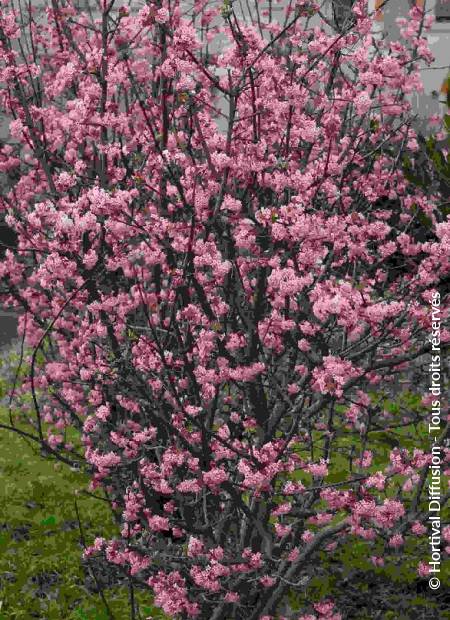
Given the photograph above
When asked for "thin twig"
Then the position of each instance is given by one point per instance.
(94, 576)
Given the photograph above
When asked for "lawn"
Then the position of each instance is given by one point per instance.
(41, 572)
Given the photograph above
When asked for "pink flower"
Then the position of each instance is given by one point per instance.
(162, 16)
(158, 524)
(304, 345)
(195, 547)
(282, 509)
(366, 459)
(377, 561)
(333, 376)
(307, 536)
(99, 544)
(103, 413)
(254, 559)
(215, 477)
(282, 530)
(407, 486)
(189, 486)
(267, 581)
(216, 554)
(387, 514)
(423, 569)
(16, 128)
(418, 528)
(377, 480)
(301, 369)
(102, 460)
(64, 181)
(137, 562)
(318, 470)
(324, 608)
(362, 103)
(292, 487)
(396, 541)
(320, 519)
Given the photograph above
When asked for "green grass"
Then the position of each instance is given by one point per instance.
(40, 569)
(41, 573)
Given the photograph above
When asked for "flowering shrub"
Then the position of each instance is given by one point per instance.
(207, 266)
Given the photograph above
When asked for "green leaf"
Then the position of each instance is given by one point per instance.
(51, 520)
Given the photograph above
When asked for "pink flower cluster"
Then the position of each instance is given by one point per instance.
(219, 261)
